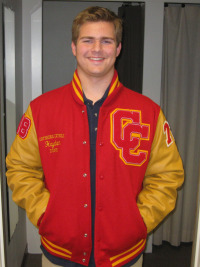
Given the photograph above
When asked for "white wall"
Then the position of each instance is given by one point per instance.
(154, 11)
(32, 78)
(32, 45)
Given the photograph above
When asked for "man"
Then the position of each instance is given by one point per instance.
(94, 164)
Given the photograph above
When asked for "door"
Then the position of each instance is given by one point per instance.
(14, 220)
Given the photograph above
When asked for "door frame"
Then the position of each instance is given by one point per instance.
(12, 249)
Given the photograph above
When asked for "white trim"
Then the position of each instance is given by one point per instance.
(36, 52)
(195, 261)
(197, 248)
(2, 255)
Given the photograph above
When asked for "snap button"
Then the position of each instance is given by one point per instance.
(83, 260)
(85, 175)
(84, 253)
(85, 205)
(85, 235)
(101, 144)
(83, 111)
(84, 142)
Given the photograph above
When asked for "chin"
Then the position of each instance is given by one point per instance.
(98, 74)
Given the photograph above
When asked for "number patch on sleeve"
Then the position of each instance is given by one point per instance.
(167, 132)
(24, 127)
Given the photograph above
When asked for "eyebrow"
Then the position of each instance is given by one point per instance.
(101, 38)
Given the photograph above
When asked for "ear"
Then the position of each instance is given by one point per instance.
(119, 49)
(73, 46)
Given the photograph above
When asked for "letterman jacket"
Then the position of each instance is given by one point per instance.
(138, 171)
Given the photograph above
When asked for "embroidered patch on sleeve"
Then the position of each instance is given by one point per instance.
(24, 127)
(167, 132)
(127, 134)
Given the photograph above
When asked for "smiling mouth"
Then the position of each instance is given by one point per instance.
(96, 58)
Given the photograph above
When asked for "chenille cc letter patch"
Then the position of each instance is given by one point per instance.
(127, 133)
(24, 127)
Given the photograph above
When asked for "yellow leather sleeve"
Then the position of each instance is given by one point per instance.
(164, 175)
(25, 174)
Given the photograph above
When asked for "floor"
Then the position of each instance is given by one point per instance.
(162, 256)
(169, 256)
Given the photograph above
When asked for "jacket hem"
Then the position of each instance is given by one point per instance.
(55, 250)
(128, 254)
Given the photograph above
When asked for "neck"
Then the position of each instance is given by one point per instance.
(94, 87)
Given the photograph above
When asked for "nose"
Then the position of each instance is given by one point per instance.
(96, 46)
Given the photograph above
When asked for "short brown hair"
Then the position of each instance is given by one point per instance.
(95, 14)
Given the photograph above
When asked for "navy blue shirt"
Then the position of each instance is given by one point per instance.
(93, 114)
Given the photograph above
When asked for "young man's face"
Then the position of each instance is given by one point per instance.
(96, 49)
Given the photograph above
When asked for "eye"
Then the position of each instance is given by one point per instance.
(107, 41)
(87, 41)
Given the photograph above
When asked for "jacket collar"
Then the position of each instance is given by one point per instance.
(77, 89)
